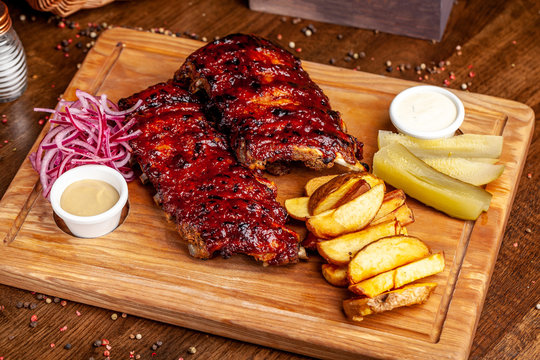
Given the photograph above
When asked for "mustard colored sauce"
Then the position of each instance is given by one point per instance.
(88, 197)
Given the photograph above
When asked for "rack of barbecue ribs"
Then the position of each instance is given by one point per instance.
(272, 112)
(219, 205)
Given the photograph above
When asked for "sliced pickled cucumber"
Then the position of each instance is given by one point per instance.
(476, 159)
(467, 145)
(401, 169)
(472, 172)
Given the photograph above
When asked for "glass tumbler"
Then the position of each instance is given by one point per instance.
(13, 79)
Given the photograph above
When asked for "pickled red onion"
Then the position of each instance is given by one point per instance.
(90, 130)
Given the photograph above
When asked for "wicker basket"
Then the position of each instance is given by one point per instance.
(66, 7)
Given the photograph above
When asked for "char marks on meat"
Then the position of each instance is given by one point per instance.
(270, 109)
(219, 205)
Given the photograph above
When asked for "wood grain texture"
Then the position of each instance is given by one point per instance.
(498, 39)
(424, 19)
(235, 300)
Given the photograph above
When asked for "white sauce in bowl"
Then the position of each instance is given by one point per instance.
(426, 111)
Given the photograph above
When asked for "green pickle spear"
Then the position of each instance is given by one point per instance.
(400, 168)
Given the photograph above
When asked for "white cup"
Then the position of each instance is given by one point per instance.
(96, 225)
(406, 128)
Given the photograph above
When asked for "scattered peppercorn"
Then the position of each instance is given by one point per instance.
(138, 336)
(67, 346)
(97, 343)
(56, 300)
(114, 316)
(192, 350)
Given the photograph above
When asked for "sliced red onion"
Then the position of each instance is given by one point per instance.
(90, 130)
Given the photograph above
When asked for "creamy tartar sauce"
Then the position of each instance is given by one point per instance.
(426, 111)
(88, 197)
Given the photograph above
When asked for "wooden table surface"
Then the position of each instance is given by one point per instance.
(492, 47)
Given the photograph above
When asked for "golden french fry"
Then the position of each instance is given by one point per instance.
(336, 192)
(352, 216)
(297, 208)
(400, 276)
(342, 249)
(335, 275)
(391, 201)
(375, 285)
(419, 269)
(385, 254)
(315, 183)
(402, 214)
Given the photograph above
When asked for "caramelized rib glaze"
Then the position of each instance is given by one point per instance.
(219, 205)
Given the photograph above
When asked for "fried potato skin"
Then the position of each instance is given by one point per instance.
(356, 308)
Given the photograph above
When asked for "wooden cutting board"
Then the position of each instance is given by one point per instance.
(142, 268)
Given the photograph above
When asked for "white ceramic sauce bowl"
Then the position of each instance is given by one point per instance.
(96, 225)
(445, 131)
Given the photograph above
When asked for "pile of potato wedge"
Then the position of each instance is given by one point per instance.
(359, 228)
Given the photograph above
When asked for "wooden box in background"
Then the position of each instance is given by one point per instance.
(425, 19)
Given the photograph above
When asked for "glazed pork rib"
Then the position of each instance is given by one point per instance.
(271, 110)
(219, 205)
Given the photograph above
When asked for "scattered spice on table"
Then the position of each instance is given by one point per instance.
(192, 350)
